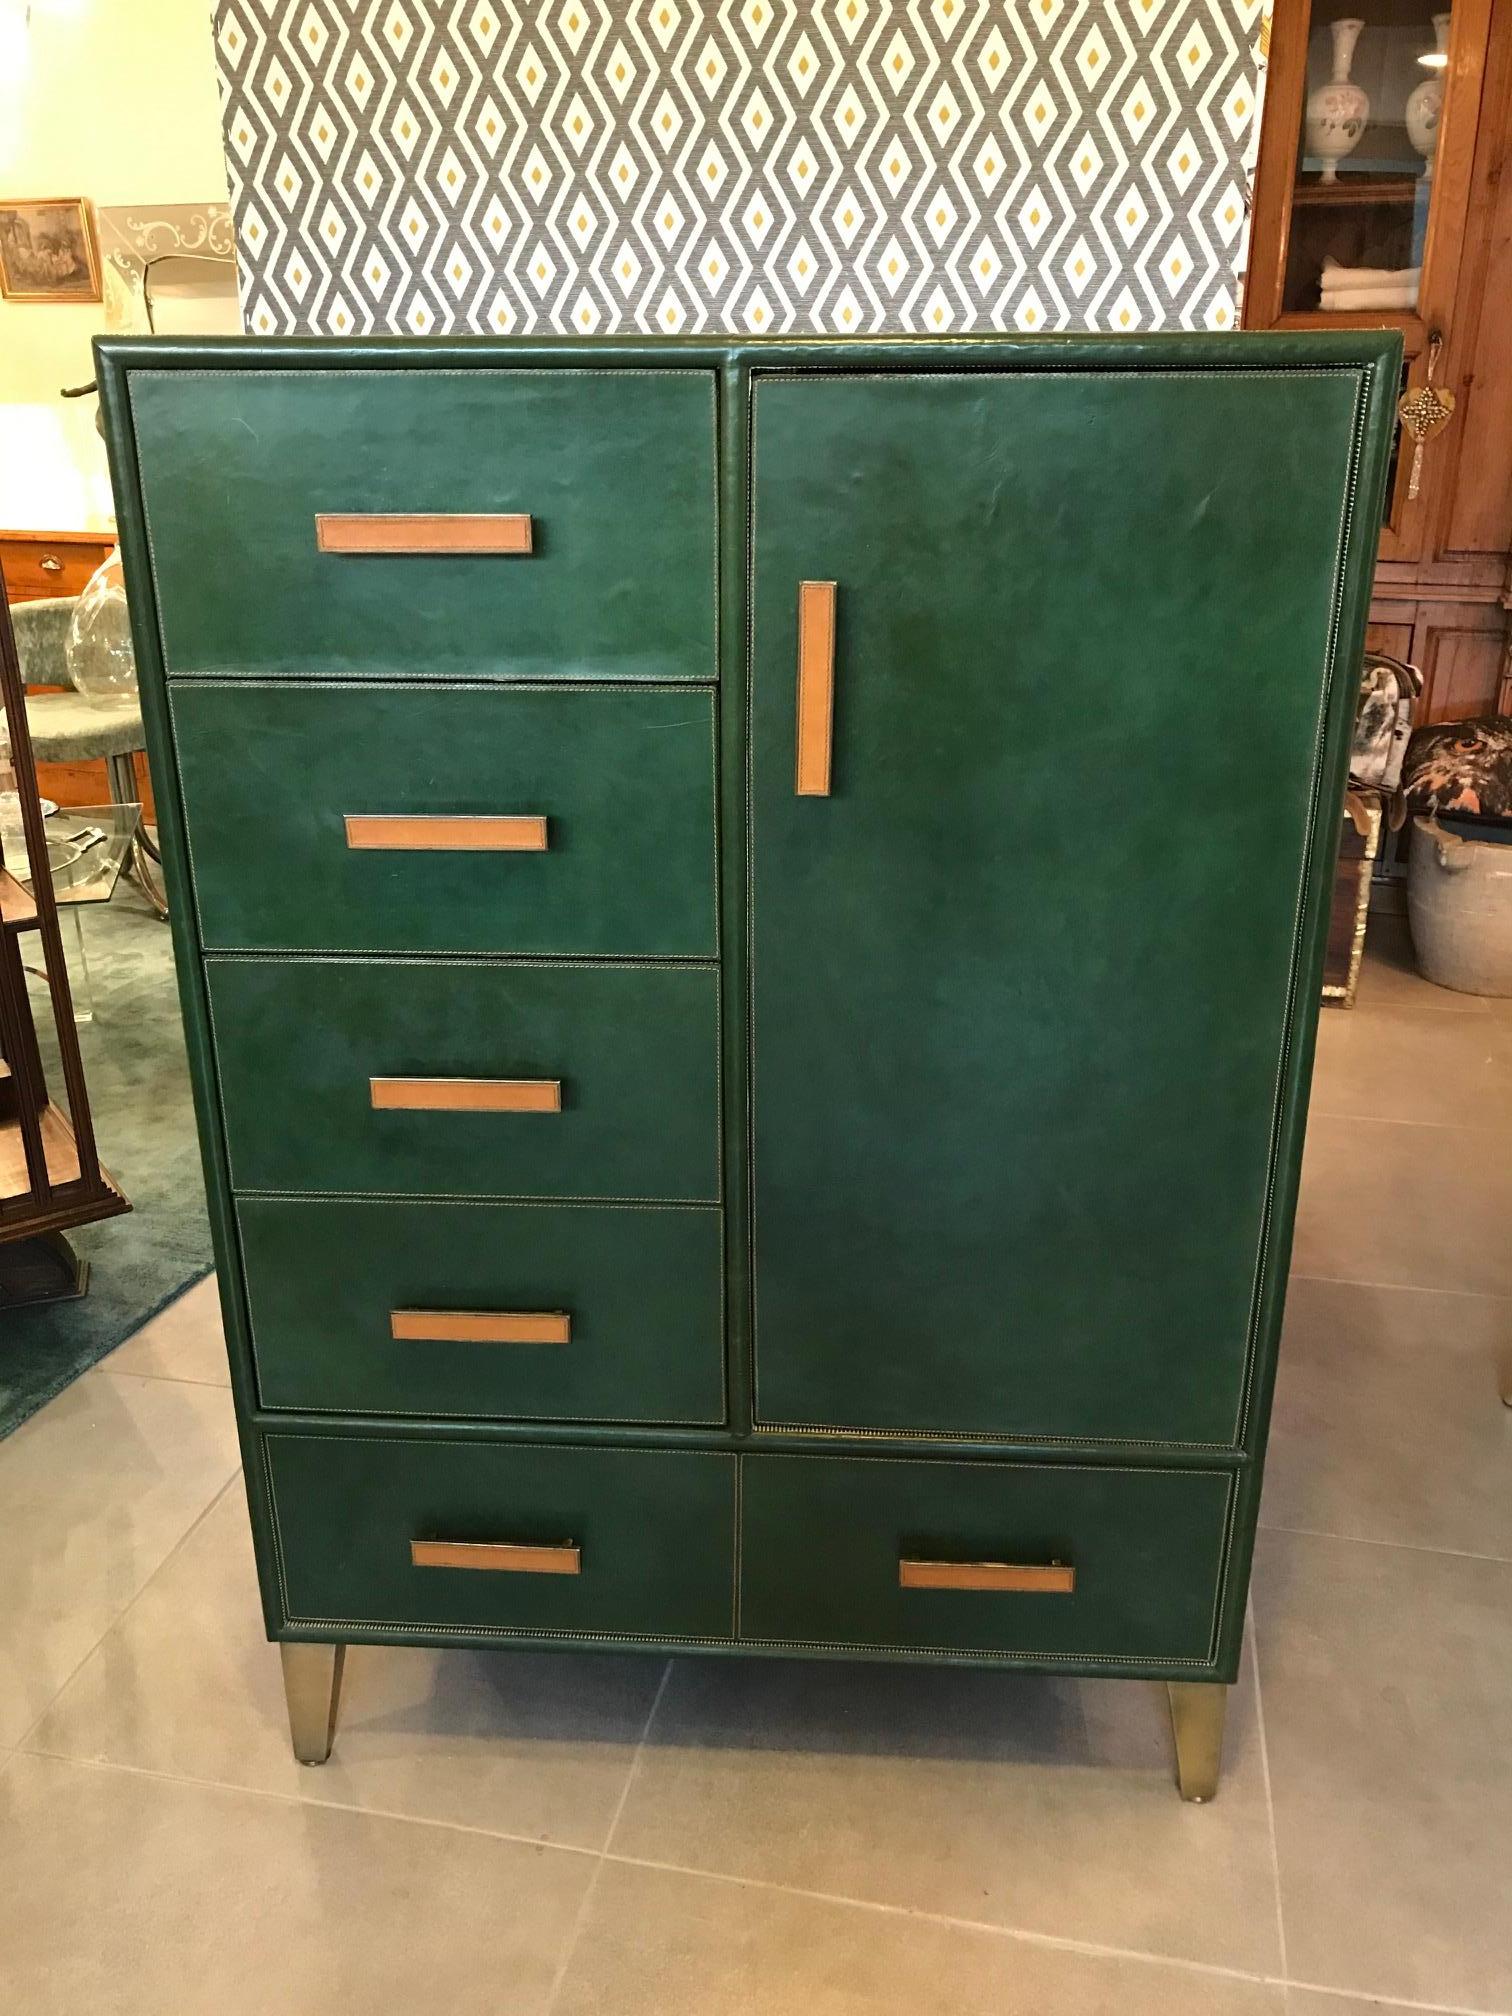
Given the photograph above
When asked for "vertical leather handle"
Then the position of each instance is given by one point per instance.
(816, 686)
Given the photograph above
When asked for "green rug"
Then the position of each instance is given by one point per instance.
(144, 1123)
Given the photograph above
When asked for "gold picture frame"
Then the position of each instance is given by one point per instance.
(48, 250)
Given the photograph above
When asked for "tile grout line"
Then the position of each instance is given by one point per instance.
(105, 1370)
(1400, 1287)
(1265, 1774)
(1393, 2001)
(580, 1921)
(1394, 1120)
(833, 1897)
(306, 1804)
(1399, 1546)
(1055, 1942)
(1052, 1941)
(23, 1741)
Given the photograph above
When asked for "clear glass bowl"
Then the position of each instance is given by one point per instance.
(101, 663)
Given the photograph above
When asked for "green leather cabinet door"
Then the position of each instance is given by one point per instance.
(338, 1291)
(632, 1049)
(614, 469)
(623, 782)
(654, 1532)
(1021, 981)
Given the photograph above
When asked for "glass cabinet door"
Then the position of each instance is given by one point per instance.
(1364, 187)
(1362, 192)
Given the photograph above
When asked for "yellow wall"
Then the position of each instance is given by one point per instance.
(114, 100)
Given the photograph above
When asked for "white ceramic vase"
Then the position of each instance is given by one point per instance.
(1337, 111)
(1426, 103)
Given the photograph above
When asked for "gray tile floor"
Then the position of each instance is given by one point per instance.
(614, 1837)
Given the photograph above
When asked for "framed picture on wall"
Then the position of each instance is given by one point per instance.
(47, 250)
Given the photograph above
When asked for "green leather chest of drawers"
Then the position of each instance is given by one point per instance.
(749, 922)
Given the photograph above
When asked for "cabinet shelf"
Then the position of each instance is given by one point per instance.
(1356, 191)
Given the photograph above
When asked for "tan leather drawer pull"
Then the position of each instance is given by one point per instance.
(400, 833)
(498, 1558)
(816, 686)
(1024, 1579)
(478, 1326)
(466, 1095)
(424, 532)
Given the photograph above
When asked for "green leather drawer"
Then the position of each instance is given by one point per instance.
(634, 1049)
(614, 468)
(654, 1532)
(637, 1293)
(822, 1540)
(623, 781)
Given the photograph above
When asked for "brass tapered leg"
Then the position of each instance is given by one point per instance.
(1197, 1712)
(312, 1688)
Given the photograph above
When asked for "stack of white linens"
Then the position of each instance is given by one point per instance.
(1369, 286)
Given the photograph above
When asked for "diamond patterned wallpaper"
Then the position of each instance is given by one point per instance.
(739, 165)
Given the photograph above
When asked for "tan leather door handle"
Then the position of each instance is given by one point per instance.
(465, 1095)
(424, 532)
(407, 833)
(501, 1557)
(1051, 1578)
(816, 686)
(480, 1326)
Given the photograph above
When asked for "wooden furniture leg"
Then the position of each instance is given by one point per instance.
(312, 1688)
(1197, 1711)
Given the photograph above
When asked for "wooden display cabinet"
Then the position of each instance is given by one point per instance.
(1443, 587)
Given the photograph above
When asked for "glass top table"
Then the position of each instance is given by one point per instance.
(87, 847)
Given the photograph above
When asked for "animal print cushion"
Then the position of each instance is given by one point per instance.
(1388, 689)
(1461, 766)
